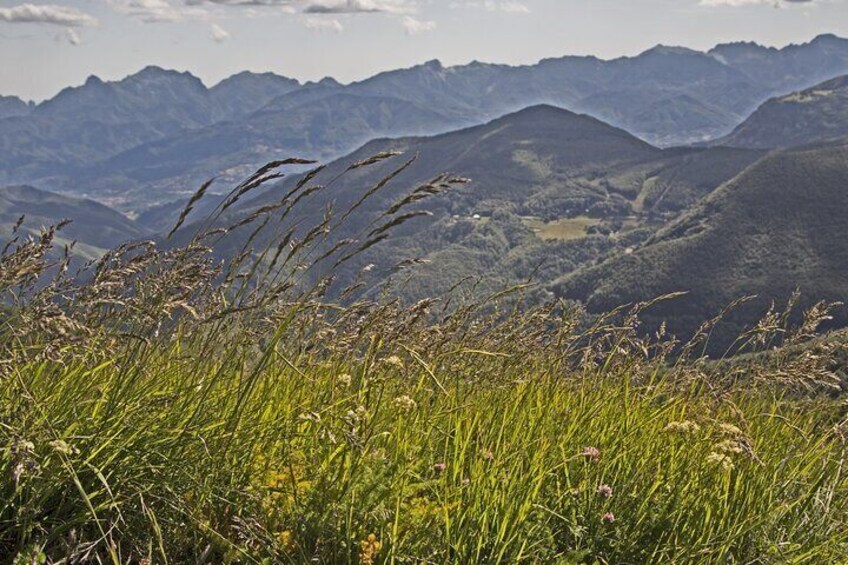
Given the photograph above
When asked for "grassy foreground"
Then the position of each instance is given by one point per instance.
(169, 453)
(148, 416)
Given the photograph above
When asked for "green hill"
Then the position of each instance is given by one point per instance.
(817, 114)
(551, 191)
(777, 227)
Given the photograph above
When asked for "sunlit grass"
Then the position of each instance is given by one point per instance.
(178, 455)
(563, 229)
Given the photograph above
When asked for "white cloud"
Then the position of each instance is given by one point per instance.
(514, 8)
(357, 6)
(72, 36)
(218, 34)
(740, 3)
(413, 26)
(507, 6)
(47, 14)
(324, 24)
(158, 11)
(323, 6)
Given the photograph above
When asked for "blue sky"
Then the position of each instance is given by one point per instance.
(47, 45)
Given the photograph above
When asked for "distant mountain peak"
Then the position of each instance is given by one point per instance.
(153, 72)
(326, 82)
(670, 50)
(433, 64)
(251, 78)
(329, 81)
(93, 81)
(540, 109)
(828, 38)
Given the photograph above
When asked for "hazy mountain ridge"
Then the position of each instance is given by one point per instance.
(322, 129)
(93, 226)
(590, 211)
(666, 95)
(85, 124)
(791, 68)
(816, 114)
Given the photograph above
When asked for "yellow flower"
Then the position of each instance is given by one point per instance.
(369, 548)
(286, 540)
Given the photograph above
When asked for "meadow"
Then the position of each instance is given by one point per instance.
(174, 408)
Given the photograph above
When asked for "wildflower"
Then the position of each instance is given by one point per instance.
(344, 379)
(405, 403)
(684, 427)
(394, 360)
(440, 467)
(369, 548)
(729, 446)
(608, 518)
(24, 446)
(62, 447)
(721, 459)
(593, 454)
(309, 417)
(488, 455)
(286, 540)
(730, 430)
(605, 491)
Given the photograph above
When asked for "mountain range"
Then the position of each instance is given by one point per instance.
(551, 191)
(154, 136)
(586, 209)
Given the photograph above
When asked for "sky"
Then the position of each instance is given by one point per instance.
(46, 46)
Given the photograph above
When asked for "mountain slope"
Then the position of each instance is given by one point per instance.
(813, 115)
(95, 227)
(551, 191)
(321, 128)
(776, 227)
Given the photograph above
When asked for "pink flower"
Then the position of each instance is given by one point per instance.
(605, 491)
(593, 454)
(440, 467)
(608, 518)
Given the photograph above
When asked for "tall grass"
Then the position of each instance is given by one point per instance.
(170, 409)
